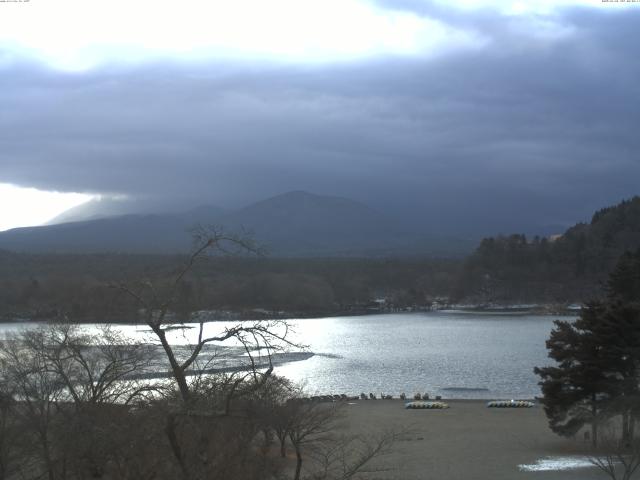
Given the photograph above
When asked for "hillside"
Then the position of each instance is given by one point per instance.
(127, 233)
(300, 223)
(107, 207)
(292, 224)
(565, 269)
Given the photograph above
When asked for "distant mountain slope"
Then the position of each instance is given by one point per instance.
(569, 267)
(292, 224)
(157, 233)
(302, 223)
(128, 233)
(114, 207)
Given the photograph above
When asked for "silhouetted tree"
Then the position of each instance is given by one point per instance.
(617, 459)
(9, 432)
(160, 300)
(574, 391)
(598, 359)
(624, 281)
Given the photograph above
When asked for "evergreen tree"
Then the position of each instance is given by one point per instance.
(618, 330)
(575, 391)
(624, 280)
(597, 371)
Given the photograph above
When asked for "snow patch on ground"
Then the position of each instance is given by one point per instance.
(548, 464)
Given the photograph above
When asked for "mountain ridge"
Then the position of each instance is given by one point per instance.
(296, 223)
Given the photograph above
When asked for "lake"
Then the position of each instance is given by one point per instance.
(456, 355)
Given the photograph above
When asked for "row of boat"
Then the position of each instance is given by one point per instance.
(492, 404)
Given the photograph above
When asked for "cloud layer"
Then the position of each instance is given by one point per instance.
(534, 125)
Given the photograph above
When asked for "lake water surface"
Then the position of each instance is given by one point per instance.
(456, 355)
(448, 354)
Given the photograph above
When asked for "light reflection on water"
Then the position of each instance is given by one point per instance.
(423, 352)
(415, 352)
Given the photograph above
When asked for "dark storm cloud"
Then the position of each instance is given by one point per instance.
(538, 126)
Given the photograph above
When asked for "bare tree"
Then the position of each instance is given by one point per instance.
(95, 368)
(157, 302)
(348, 456)
(9, 433)
(38, 390)
(618, 458)
(71, 388)
(75, 391)
(193, 418)
(313, 429)
(308, 424)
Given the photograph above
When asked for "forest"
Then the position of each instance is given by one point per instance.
(80, 286)
(567, 268)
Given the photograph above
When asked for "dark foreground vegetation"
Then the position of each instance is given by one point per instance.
(69, 409)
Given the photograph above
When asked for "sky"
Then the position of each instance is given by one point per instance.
(493, 115)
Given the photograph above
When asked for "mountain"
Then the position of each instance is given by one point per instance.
(303, 223)
(292, 224)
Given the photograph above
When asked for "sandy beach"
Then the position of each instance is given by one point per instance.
(467, 441)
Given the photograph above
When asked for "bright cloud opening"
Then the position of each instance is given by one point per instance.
(24, 207)
(79, 34)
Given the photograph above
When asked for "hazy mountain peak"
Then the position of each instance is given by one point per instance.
(296, 195)
(106, 207)
(300, 199)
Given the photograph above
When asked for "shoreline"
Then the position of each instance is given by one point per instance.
(543, 311)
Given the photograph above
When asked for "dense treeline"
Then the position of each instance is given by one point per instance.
(569, 268)
(78, 286)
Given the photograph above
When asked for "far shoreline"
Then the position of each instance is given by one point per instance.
(549, 310)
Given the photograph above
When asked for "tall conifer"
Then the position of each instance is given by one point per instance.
(597, 371)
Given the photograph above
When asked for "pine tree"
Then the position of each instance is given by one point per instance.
(619, 330)
(624, 280)
(597, 371)
(575, 391)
